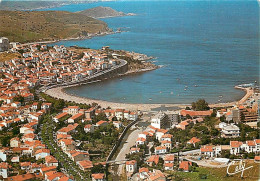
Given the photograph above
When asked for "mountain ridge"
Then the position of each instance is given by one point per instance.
(103, 12)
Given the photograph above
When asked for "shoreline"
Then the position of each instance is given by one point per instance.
(60, 93)
(69, 39)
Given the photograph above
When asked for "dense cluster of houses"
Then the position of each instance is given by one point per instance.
(144, 173)
(29, 145)
(40, 65)
(234, 148)
(159, 129)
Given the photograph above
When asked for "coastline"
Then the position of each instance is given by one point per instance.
(59, 93)
(69, 39)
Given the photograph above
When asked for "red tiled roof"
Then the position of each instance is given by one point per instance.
(250, 143)
(154, 158)
(24, 177)
(3, 165)
(235, 144)
(98, 176)
(257, 158)
(86, 164)
(169, 158)
(206, 148)
(168, 165)
(132, 162)
(25, 164)
(195, 113)
(194, 140)
(143, 169)
(185, 165)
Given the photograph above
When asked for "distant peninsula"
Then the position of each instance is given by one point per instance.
(103, 12)
(32, 26)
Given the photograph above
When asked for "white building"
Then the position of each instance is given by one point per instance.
(2, 155)
(160, 150)
(4, 44)
(159, 120)
(4, 169)
(131, 166)
(207, 151)
(235, 147)
(89, 128)
(42, 153)
(230, 131)
(133, 116)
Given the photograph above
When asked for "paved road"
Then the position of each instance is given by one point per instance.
(207, 163)
(126, 148)
(190, 152)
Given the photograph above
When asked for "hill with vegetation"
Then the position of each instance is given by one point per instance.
(28, 26)
(29, 5)
(102, 12)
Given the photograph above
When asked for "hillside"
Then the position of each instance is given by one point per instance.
(26, 5)
(28, 26)
(102, 12)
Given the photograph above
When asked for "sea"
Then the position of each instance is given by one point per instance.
(205, 48)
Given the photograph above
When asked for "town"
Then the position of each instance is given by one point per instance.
(45, 138)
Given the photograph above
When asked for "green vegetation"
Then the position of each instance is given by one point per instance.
(200, 105)
(6, 134)
(59, 104)
(208, 134)
(24, 5)
(8, 56)
(99, 12)
(64, 160)
(28, 26)
(216, 174)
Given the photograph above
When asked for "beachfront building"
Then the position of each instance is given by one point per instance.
(184, 113)
(160, 120)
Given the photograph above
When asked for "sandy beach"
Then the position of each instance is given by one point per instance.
(61, 94)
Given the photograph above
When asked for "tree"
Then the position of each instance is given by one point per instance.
(187, 108)
(200, 105)
(152, 149)
(16, 130)
(19, 98)
(214, 132)
(5, 140)
(98, 169)
(59, 104)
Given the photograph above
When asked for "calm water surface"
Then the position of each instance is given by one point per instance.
(211, 44)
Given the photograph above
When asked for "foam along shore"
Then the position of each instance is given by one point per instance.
(59, 93)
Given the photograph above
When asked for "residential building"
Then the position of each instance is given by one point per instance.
(230, 131)
(160, 121)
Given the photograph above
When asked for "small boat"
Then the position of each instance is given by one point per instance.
(120, 79)
(160, 92)
(150, 99)
(195, 86)
(171, 92)
(220, 96)
(185, 89)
